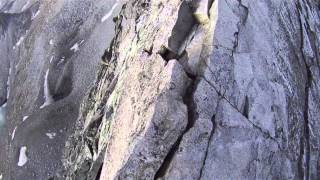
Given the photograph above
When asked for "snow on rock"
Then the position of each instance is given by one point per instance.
(51, 135)
(105, 17)
(35, 15)
(13, 133)
(51, 59)
(23, 156)
(47, 96)
(25, 118)
(19, 42)
(61, 61)
(75, 47)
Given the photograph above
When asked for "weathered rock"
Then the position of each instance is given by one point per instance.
(50, 51)
(151, 124)
(238, 150)
(188, 89)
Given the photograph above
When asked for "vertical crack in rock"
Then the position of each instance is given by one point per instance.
(265, 133)
(246, 108)
(306, 124)
(305, 150)
(137, 144)
(179, 40)
(188, 101)
(137, 164)
(309, 42)
(209, 143)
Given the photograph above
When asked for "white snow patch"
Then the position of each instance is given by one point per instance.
(105, 17)
(25, 118)
(19, 42)
(47, 96)
(23, 156)
(25, 6)
(75, 47)
(13, 133)
(51, 42)
(51, 59)
(35, 15)
(51, 135)
(81, 42)
(61, 61)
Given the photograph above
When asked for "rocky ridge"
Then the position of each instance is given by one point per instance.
(188, 89)
(186, 93)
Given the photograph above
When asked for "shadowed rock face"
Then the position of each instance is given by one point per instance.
(251, 97)
(50, 52)
(186, 89)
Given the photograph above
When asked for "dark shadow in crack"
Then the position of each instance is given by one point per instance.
(181, 29)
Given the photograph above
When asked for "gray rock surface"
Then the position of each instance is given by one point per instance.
(187, 89)
(52, 50)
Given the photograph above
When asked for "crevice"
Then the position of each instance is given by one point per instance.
(246, 108)
(99, 172)
(167, 160)
(180, 36)
(208, 146)
(264, 133)
(304, 159)
(178, 41)
(182, 29)
(167, 54)
(150, 51)
(306, 124)
(188, 101)
(244, 11)
(222, 94)
(243, 16)
(64, 83)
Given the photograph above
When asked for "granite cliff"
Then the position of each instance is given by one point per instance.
(160, 89)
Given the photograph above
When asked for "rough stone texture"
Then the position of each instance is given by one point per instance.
(157, 118)
(36, 39)
(188, 89)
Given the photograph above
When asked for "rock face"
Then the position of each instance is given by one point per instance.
(49, 54)
(187, 89)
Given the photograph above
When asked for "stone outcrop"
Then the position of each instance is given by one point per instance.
(49, 54)
(187, 89)
(252, 98)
